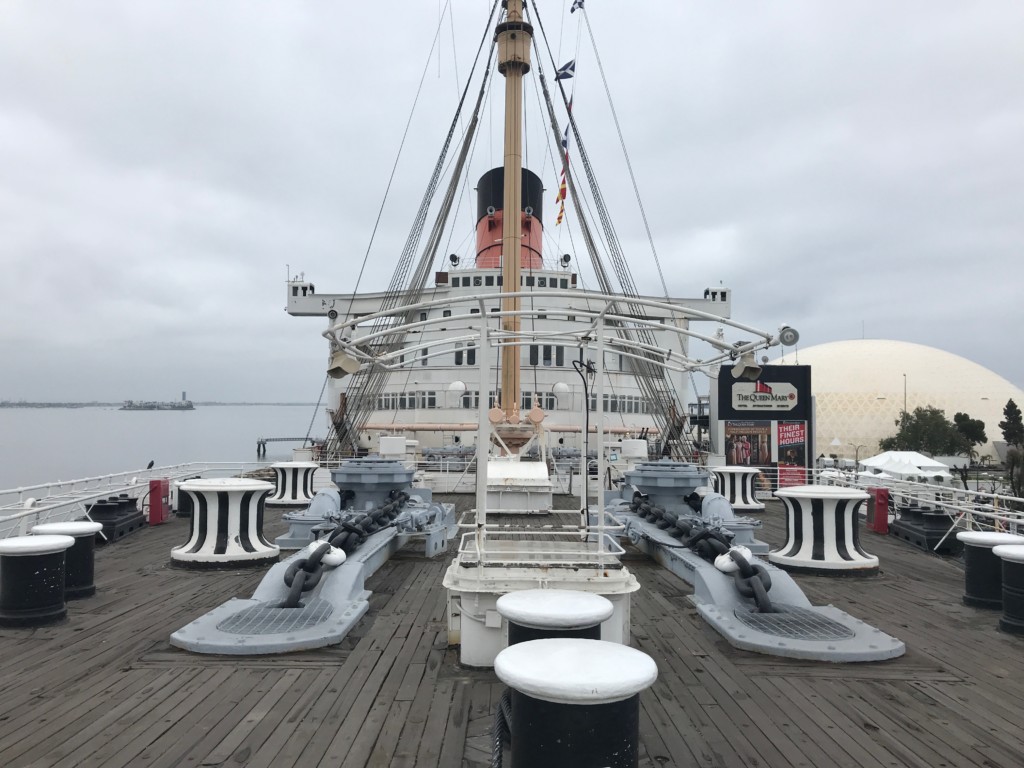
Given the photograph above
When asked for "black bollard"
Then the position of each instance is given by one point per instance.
(79, 561)
(575, 703)
(32, 580)
(1012, 556)
(534, 614)
(983, 570)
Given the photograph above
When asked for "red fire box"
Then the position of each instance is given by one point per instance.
(878, 510)
(159, 501)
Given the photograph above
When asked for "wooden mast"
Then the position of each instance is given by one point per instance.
(514, 40)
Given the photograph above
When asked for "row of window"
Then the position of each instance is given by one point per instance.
(546, 355)
(542, 315)
(402, 401)
(476, 281)
(540, 354)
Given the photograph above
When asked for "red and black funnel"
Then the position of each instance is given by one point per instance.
(489, 196)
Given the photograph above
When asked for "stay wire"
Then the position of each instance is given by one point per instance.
(625, 154)
(394, 167)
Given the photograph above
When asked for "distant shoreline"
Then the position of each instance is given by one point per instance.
(94, 404)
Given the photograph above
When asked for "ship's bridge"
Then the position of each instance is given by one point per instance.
(304, 301)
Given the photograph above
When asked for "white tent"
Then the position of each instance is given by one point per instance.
(915, 459)
(900, 468)
(874, 476)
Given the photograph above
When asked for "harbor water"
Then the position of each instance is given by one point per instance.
(41, 445)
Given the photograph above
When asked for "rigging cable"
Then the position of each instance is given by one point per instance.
(666, 408)
(369, 382)
(394, 168)
(316, 410)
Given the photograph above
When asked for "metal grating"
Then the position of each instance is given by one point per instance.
(794, 623)
(267, 619)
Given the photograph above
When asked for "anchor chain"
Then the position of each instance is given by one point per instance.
(305, 573)
(752, 579)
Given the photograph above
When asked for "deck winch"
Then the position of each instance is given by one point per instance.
(694, 536)
(316, 596)
(662, 485)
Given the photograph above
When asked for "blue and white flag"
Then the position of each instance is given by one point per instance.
(566, 71)
(565, 140)
(576, 4)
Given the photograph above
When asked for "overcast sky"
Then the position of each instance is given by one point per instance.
(852, 169)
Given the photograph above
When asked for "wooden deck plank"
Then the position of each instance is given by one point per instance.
(76, 719)
(356, 738)
(416, 722)
(429, 752)
(454, 740)
(247, 688)
(267, 753)
(851, 748)
(136, 733)
(169, 749)
(82, 735)
(276, 697)
(106, 687)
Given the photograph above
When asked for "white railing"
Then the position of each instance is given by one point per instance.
(21, 508)
(527, 548)
(967, 509)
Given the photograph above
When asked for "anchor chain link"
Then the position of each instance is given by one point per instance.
(752, 579)
(305, 573)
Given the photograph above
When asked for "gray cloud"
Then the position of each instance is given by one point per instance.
(849, 169)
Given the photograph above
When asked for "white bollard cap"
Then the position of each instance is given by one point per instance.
(988, 538)
(35, 545)
(575, 671)
(1012, 552)
(554, 608)
(81, 528)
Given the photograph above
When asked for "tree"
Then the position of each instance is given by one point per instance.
(929, 431)
(1015, 471)
(1012, 425)
(973, 430)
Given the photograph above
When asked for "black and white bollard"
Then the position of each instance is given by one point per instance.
(294, 483)
(534, 614)
(1012, 556)
(737, 485)
(823, 531)
(32, 580)
(983, 570)
(575, 703)
(227, 525)
(79, 561)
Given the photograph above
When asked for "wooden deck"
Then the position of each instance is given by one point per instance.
(106, 688)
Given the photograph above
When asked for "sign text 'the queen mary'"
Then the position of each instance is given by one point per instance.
(764, 396)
